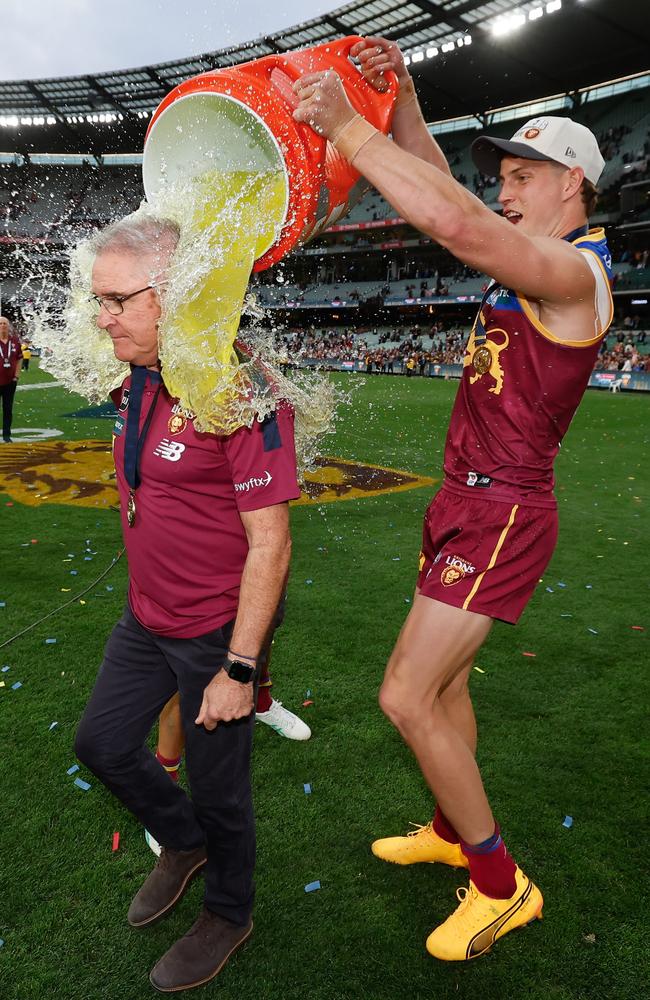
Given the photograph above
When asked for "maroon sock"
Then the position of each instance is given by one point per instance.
(264, 699)
(170, 765)
(491, 868)
(443, 827)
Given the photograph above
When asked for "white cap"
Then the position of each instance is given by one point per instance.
(559, 139)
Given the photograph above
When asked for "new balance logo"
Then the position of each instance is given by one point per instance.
(171, 450)
(253, 483)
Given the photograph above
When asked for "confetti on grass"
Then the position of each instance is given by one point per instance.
(312, 886)
(307, 788)
(478, 669)
(80, 783)
(593, 631)
(53, 725)
(116, 841)
(71, 770)
(529, 654)
(50, 642)
(568, 822)
(307, 702)
(638, 628)
(18, 684)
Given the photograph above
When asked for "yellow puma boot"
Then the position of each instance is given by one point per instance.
(421, 844)
(480, 920)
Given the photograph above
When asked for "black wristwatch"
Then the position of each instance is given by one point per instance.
(237, 670)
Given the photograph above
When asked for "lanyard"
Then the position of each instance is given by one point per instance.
(135, 438)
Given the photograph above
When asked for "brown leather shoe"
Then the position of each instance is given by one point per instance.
(165, 885)
(200, 955)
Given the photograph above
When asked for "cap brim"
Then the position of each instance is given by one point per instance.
(487, 153)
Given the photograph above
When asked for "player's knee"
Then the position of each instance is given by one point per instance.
(397, 704)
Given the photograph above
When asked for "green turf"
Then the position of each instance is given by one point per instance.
(560, 734)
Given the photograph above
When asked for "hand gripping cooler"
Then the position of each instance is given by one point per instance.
(240, 119)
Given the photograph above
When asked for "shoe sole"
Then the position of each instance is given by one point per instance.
(170, 906)
(207, 979)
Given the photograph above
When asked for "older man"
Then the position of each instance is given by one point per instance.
(11, 362)
(207, 563)
(490, 531)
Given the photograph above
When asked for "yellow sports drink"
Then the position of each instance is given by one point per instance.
(232, 216)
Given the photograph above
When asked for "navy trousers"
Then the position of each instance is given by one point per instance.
(139, 674)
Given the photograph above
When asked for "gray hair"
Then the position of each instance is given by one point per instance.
(147, 237)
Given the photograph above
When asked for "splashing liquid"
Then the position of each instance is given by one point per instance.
(234, 217)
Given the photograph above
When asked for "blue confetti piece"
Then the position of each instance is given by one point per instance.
(550, 590)
(593, 631)
(309, 581)
(53, 725)
(307, 788)
(312, 886)
(50, 642)
(3, 604)
(5, 669)
(18, 684)
(568, 822)
(397, 558)
(109, 588)
(566, 615)
(1, 942)
(308, 693)
(588, 586)
(88, 558)
(73, 572)
(71, 770)
(80, 783)
(560, 584)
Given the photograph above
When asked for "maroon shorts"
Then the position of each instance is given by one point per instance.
(484, 555)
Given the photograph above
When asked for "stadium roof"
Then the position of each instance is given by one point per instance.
(467, 56)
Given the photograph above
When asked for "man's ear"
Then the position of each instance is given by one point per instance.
(573, 179)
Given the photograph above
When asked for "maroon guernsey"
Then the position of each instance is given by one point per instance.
(188, 546)
(519, 390)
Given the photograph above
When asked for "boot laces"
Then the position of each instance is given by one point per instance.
(427, 828)
(463, 915)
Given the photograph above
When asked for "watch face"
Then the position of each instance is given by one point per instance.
(239, 671)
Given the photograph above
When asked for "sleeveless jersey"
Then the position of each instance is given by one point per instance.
(519, 390)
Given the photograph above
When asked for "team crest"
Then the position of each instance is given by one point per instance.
(531, 133)
(451, 575)
(485, 359)
(176, 423)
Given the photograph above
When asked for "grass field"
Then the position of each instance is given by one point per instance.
(560, 734)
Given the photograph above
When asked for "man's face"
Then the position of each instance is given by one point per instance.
(4, 328)
(134, 332)
(532, 194)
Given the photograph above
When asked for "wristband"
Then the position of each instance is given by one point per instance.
(349, 139)
(241, 656)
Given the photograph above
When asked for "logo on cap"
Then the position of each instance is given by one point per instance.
(531, 133)
(570, 152)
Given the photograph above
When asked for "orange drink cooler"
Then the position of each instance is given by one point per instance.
(240, 119)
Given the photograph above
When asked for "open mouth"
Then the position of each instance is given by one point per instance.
(512, 216)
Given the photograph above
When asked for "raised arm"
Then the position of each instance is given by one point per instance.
(376, 57)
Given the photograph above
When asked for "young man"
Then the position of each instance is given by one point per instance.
(490, 531)
(11, 362)
(207, 568)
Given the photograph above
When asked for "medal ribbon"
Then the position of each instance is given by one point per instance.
(134, 439)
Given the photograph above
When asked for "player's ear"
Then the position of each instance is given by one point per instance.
(573, 178)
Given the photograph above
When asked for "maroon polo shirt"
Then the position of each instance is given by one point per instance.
(188, 545)
(10, 354)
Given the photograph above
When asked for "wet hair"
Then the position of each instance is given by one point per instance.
(148, 238)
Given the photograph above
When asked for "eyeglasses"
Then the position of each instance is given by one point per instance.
(114, 304)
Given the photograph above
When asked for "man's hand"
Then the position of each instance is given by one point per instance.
(377, 56)
(323, 103)
(223, 701)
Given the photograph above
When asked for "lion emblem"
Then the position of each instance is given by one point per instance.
(485, 359)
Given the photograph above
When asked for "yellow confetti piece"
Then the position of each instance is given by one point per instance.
(82, 602)
(2, 684)
(479, 670)
(66, 590)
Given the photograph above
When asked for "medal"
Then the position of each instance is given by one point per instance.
(130, 509)
(481, 360)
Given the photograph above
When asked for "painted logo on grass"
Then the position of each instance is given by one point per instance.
(81, 473)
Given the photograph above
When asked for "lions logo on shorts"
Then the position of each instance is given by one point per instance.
(451, 575)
